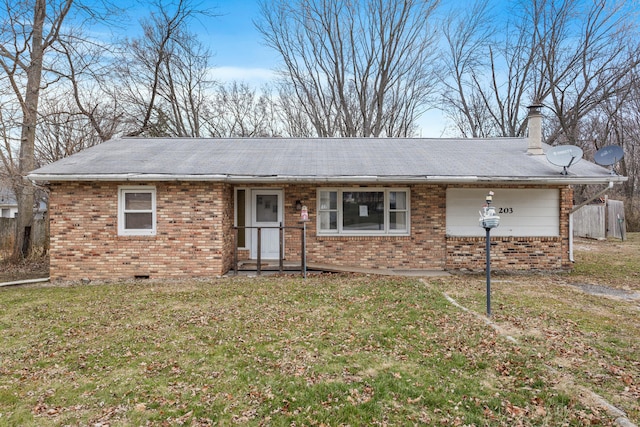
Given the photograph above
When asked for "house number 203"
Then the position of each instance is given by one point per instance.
(505, 210)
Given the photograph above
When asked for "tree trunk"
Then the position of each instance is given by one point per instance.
(24, 188)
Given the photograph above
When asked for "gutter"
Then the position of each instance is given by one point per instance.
(575, 208)
(439, 179)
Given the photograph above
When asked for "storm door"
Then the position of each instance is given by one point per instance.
(266, 213)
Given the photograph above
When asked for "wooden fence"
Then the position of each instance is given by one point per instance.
(40, 234)
(600, 221)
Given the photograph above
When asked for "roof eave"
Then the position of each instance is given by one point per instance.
(238, 179)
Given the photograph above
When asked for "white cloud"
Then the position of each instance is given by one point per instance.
(248, 75)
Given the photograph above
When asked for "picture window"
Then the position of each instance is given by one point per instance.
(363, 211)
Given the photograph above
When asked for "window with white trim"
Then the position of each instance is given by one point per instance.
(363, 211)
(137, 211)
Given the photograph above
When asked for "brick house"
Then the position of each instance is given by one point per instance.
(167, 207)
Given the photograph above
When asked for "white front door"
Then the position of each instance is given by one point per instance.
(266, 211)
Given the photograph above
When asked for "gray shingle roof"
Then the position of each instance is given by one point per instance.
(317, 159)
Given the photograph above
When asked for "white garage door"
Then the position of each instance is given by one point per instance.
(523, 212)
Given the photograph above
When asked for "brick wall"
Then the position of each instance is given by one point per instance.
(190, 241)
(227, 221)
(427, 247)
(423, 249)
(195, 235)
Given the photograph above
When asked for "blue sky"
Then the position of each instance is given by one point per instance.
(239, 53)
(237, 46)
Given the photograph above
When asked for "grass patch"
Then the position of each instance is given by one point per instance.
(614, 262)
(331, 350)
(593, 340)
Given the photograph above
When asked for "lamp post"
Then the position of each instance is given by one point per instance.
(304, 218)
(488, 220)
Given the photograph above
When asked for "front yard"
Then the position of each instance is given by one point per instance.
(331, 350)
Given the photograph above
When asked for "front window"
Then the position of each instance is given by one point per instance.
(398, 210)
(137, 211)
(363, 211)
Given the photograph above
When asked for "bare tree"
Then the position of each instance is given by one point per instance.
(238, 110)
(63, 130)
(606, 51)
(10, 116)
(626, 133)
(28, 29)
(85, 71)
(467, 34)
(165, 73)
(357, 68)
(491, 75)
(569, 55)
(80, 110)
(617, 122)
(294, 121)
(31, 32)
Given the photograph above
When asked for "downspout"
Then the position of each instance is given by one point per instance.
(575, 208)
(571, 238)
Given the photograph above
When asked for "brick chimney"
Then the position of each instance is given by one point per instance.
(534, 123)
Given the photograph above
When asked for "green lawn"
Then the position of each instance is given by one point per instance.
(331, 350)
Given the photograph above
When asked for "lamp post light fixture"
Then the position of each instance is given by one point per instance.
(488, 220)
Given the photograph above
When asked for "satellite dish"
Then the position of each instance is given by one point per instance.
(609, 155)
(564, 156)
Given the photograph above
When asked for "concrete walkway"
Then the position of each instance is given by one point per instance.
(381, 271)
(272, 267)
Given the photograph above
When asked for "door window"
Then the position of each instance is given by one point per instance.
(267, 208)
